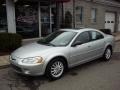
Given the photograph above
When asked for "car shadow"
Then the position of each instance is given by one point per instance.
(75, 70)
(34, 82)
(14, 80)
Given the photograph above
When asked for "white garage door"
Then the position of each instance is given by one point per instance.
(119, 23)
(110, 21)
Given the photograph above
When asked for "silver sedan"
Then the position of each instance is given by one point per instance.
(61, 50)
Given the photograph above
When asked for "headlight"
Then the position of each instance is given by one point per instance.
(33, 60)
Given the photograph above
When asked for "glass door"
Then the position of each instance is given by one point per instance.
(47, 19)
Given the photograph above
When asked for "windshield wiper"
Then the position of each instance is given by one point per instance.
(50, 44)
(44, 43)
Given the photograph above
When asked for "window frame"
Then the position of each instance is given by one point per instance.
(94, 18)
(3, 17)
(79, 12)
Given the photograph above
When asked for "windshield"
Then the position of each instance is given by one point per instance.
(58, 38)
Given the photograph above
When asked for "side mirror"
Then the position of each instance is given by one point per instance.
(76, 43)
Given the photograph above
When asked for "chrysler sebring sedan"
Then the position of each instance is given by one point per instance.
(63, 49)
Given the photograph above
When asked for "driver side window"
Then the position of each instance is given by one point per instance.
(83, 38)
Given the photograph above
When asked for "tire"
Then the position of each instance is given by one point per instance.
(55, 69)
(107, 54)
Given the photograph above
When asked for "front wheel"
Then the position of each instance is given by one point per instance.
(55, 69)
(107, 54)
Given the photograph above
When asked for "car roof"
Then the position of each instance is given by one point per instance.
(79, 29)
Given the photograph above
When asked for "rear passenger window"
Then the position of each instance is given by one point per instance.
(96, 35)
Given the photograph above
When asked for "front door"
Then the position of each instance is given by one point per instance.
(81, 53)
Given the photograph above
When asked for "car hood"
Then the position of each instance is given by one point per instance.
(31, 50)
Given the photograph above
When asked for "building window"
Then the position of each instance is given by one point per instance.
(27, 19)
(79, 14)
(3, 16)
(93, 15)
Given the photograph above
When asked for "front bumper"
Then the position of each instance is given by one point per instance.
(33, 70)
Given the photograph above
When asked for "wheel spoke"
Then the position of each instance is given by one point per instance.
(53, 65)
(53, 72)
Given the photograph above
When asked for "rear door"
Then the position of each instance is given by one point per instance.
(98, 44)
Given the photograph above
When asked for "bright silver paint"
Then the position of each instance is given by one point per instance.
(74, 55)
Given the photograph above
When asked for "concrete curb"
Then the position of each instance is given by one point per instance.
(4, 61)
(4, 66)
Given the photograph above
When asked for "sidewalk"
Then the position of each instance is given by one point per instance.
(117, 36)
(4, 60)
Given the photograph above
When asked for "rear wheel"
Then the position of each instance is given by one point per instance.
(55, 69)
(107, 54)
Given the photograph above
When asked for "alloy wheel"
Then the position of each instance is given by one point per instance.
(57, 69)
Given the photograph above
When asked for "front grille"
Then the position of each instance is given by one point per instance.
(16, 68)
